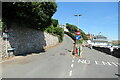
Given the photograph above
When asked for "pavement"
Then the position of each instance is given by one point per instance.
(57, 62)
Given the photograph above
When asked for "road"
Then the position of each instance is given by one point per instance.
(58, 62)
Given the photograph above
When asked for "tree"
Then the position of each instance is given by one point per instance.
(84, 36)
(34, 14)
(55, 22)
(71, 28)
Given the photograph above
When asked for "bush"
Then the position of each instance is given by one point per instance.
(70, 34)
(71, 28)
(73, 36)
(60, 32)
(55, 22)
(50, 29)
(84, 36)
(56, 31)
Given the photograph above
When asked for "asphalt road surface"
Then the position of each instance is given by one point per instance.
(58, 62)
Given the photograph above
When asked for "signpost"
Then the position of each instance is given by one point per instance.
(77, 32)
(77, 42)
(77, 37)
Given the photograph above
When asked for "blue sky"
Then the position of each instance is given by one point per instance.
(96, 17)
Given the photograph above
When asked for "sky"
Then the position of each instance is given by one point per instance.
(96, 17)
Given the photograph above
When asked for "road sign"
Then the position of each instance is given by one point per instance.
(77, 32)
(78, 37)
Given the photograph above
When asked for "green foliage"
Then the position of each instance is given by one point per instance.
(84, 36)
(56, 31)
(80, 41)
(116, 44)
(55, 22)
(73, 36)
(71, 28)
(50, 29)
(2, 25)
(33, 14)
(60, 32)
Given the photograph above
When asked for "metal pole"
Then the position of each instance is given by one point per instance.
(78, 40)
(78, 21)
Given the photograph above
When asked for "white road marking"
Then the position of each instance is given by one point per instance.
(73, 61)
(84, 61)
(106, 63)
(72, 65)
(118, 64)
(70, 74)
(99, 63)
(78, 60)
(114, 64)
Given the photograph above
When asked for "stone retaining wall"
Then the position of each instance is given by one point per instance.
(27, 40)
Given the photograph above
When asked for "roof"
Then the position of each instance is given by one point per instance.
(100, 37)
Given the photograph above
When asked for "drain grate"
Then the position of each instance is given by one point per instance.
(62, 54)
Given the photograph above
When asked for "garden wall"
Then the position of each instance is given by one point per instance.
(27, 40)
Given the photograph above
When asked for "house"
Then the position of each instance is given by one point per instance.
(99, 40)
(89, 36)
(64, 27)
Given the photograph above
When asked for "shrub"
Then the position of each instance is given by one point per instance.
(55, 22)
(50, 29)
(84, 36)
(56, 31)
(73, 36)
(71, 28)
(60, 32)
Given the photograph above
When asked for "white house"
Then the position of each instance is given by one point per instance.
(99, 40)
(64, 27)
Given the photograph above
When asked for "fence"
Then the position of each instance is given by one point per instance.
(116, 52)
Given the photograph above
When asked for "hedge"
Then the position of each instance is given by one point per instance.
(56, 31)
(73, 37)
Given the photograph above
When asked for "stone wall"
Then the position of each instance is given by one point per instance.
(3, 46)
(107, 51)
(27, 40)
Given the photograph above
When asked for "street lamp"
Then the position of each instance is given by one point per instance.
(78, 15)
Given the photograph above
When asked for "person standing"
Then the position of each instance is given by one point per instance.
(74, 46)
(111, 49)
